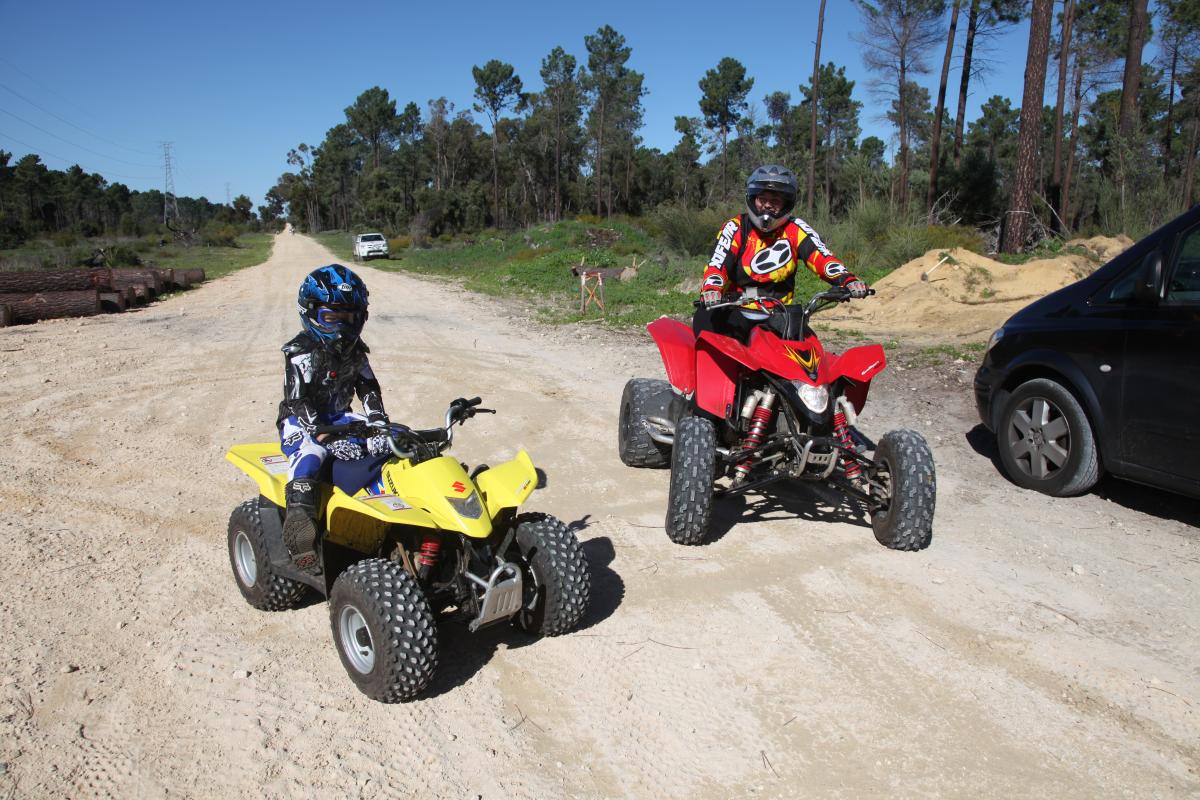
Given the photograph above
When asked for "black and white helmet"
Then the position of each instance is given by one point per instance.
(774, 178)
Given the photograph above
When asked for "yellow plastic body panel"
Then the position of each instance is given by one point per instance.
(509, 484)
(266, 464)
(414, 495)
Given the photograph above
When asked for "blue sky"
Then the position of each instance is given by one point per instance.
(236, 85)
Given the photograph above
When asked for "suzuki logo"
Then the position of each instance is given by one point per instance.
(458, 486)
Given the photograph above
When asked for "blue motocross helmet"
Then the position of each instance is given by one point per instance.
(333, 305)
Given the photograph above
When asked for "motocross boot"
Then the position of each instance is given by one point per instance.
(299, 523)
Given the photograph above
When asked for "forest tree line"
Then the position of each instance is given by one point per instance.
(36, 202)
(1115, 151)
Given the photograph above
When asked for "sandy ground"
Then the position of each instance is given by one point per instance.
(960, 296)
(1039, 647)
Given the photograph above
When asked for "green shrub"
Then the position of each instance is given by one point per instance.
(65, 238)
(399, 243)
(217, 235)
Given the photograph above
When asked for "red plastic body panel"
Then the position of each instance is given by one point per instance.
(712, 365)
(677, 346)
(859, 365)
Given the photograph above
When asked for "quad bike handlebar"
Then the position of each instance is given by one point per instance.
(773, 305)
(408, 442)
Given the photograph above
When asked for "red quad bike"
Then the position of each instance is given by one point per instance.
(737, 417)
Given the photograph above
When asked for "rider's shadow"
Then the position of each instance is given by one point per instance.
(811, 502)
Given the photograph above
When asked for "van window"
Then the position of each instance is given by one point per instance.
(1184, 284)
(370, 237)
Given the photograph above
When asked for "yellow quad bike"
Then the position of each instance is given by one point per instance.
(407, 536)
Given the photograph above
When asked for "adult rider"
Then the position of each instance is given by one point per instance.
(758, 252)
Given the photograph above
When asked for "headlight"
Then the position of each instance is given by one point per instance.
(994, 340)
(816, 398)
(468, 507)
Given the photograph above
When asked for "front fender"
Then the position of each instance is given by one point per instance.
(507, 485)
(677, 346)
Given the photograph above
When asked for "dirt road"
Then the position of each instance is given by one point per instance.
(1039, 648)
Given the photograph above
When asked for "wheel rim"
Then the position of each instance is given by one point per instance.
(1039, 438)
(355, 639)
(243, 559)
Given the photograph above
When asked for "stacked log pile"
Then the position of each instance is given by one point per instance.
(34, 295)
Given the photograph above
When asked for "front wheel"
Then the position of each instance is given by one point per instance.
(557, 582)
(693, 465)
(1046, 442)
(904, 469)
(256, 576)
(384, 630)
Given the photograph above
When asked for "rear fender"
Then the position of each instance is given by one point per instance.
(266, 464)
(507, 485)
(677, 346)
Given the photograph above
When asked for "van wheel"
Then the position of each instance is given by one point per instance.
(1046, 442)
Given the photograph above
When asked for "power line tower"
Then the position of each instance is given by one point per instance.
(170, 207)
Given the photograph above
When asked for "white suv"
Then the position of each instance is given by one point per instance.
(370, 245)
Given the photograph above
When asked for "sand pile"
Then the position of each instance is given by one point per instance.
(963, 296)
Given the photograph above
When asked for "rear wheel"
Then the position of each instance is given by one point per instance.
(642, 398)
(1045, 440)
(384, 630)
(904, 467)
(556, 577)
(693, 464)
(256, 577)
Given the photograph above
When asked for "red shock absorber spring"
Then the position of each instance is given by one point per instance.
(427, 559)
(842, 431)
(758, 429)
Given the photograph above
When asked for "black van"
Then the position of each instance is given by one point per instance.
(1104, 375)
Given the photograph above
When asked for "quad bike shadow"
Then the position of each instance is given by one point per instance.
(736, 418)
(464, 654)
(786, 503)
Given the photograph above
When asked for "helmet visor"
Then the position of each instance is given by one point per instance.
(333, 318)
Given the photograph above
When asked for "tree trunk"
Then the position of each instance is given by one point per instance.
(557, 166)
(150, 278)
(6, 315)
(968, 48)
(598, 172)
(32, 281)
(1188, 182)
(1168, 132)
(724, 183)
(1064, 55)
(903, 134)
(495, 180)
(52, 305)
(812, 156)
(1077, 99)
(194, 276)
(113, 301)
(1133, 66)
(1016, 222)
(936, 145)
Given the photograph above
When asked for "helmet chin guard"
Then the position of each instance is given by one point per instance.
(771, 178)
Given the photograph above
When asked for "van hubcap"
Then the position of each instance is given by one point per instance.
(1039, 438)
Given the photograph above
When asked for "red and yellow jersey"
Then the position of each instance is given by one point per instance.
(745, 257)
